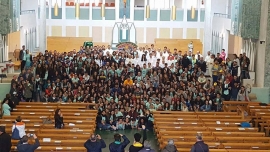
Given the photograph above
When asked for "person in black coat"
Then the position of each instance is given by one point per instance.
(117, 145)
(95, 144)
(202, 64)
(23, 145)
(21, 57)
(58, 119)
(5, 140)
(199, 146)
(185, 62)
(103, 122)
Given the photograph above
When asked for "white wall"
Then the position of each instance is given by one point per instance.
(222, 25)
(29, 5)
(219, 6)
(211, 7)
(27, 22)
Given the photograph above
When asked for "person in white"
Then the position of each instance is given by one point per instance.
(129, 60)
(207, 57)
(210, 64)
(198, 55)
(108, 50)
(208, 60)
(190, 46)
(20, 126)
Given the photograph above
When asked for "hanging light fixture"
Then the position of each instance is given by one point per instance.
(77, 9)
(102, 9)
(193, 12)
(56, 8)
(173, 12)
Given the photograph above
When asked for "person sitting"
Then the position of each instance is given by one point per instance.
(137, 145)
(147, 147)
(134, 123)
(58, 119)
(117, 145)
(23, 145)
(20, 126)
(103, 122)
(206, 107)
(120, 125)
(128, 123)
(170, 147)
(199, 146)
(95, 144)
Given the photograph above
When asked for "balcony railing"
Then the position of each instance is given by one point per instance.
(222, 15)
(27, 12)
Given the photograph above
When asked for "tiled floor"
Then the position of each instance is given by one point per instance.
(108, 137)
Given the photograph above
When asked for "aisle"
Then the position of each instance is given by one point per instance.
(108, 138)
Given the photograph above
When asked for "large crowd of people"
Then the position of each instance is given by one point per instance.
(127, 85)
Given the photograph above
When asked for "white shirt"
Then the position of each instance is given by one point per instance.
(108, 50)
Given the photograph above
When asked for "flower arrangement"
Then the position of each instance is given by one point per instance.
(126, 45)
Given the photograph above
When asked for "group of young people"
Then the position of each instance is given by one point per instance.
(127, 85)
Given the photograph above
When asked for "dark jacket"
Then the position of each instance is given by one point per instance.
(147, 149)
(5, 142)
(200, 146)
(118, 146)
(170, 148)
(27, 147)
(136, 147)
(58, 122)
(21, 55)
(94, 146)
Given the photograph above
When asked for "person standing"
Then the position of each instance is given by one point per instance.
(58, 119)
(28, 60)
(117, 145)
(170, 147)
(5, 140)
(190, 46)
(28, 88)
(22, 57)
(147, 147)
(137, 145)
(95, 144)
(23, 145)
(6, 108)
(199, 146)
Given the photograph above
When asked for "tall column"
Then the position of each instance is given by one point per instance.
(267, 49)
(207, 27)
(42, 29)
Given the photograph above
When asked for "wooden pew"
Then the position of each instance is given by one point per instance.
(232, 105)
(238, 134)
(65, 137)
(253, 145)
(57, 148)
(233, 129)
(242, 139)
(67, 131)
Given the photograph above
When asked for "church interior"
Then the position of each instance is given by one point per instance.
(182, 28)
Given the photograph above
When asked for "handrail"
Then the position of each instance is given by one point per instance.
(28, 12)
(222, 15)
